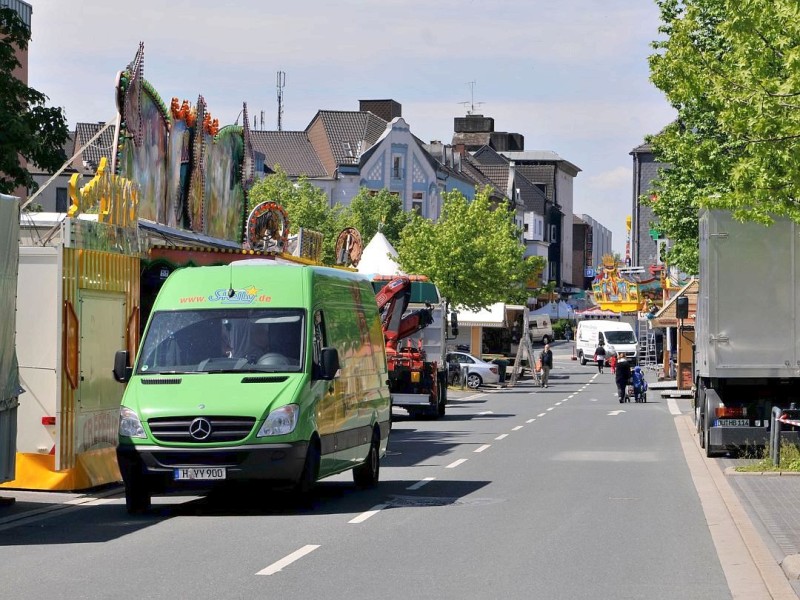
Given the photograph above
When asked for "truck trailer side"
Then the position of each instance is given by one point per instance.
(747, 355)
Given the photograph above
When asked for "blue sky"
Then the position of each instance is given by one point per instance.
(570, 76)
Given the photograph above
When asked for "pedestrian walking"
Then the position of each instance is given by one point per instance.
(546, 360)
(567, 332)
(622, 376)
(600, 356)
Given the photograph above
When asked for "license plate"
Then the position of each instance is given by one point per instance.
(200, 473)
(733, 422)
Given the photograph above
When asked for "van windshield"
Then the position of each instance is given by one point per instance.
(223, 340)
(620, 337)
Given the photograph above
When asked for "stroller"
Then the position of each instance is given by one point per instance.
(637, 386)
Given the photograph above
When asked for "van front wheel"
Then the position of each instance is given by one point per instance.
(366, 475)
(308, 478)
(138, 496)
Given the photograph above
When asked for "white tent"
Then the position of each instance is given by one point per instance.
(378, 256)
(556, 310)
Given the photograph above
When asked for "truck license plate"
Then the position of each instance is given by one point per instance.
(733, 422)
(200, 473)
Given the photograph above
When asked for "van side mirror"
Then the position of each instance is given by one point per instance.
(454, 323)
(329, 363)
(122, 372)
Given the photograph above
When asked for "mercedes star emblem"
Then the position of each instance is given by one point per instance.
(200, 428)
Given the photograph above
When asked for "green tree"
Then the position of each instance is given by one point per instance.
(370, 212)
(731, 70)
(28, 129)
(472, 253)
(306, 206)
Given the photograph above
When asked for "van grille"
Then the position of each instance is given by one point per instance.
(162, 381)
(223, 429)
(201, 459)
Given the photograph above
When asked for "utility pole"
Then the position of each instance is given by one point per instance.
(281, 83)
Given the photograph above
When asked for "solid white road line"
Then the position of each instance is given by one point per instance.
(286, 561)
(501, 436)
(369, 513)
(419, 484)
(454, 464)
(673, 406)
(482, 448)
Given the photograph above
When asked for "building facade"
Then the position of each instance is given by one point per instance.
(646, 241)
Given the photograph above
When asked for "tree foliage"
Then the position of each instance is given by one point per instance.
(473, 253)
(731, 69)
(28, 128)
(370, 212)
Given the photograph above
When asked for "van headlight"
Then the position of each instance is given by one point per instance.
(280, 421)
(129, 424)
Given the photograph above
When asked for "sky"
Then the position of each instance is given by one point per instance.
(570, 76)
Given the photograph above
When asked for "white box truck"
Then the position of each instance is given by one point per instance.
(747, 348)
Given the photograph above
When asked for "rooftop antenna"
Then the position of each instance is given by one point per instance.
(471, 103)
(281, 83)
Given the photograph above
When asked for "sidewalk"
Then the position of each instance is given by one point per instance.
(771, 500)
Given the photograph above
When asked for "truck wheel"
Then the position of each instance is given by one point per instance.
(308, 477)
(366, 475)
(582, 358)
(442, 399)
(138, 495)
(706, 438)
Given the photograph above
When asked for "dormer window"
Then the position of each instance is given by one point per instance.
(348, 149)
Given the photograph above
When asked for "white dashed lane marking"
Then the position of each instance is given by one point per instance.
(369, 513)
(482, 448)
(287, 560)
(454, 464)
(419, 484)
(501, 436)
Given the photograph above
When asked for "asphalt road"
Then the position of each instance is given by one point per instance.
(517, 493)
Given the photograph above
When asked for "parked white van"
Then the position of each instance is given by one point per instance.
(617, 336)
(541, 328)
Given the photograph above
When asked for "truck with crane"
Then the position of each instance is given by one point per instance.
(744, 365)
(417, 366)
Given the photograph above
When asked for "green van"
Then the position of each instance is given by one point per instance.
(254, 371)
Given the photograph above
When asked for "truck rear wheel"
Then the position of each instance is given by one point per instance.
(441, 400)
(582, 358)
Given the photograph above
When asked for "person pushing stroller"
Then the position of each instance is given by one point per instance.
(622, 377)
(639, 384)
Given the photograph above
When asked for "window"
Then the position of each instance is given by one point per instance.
(553, 232)
(61, 199)
(417, 208)
(348, 150)
(397, 167)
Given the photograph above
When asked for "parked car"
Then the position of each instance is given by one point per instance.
(479, 371)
